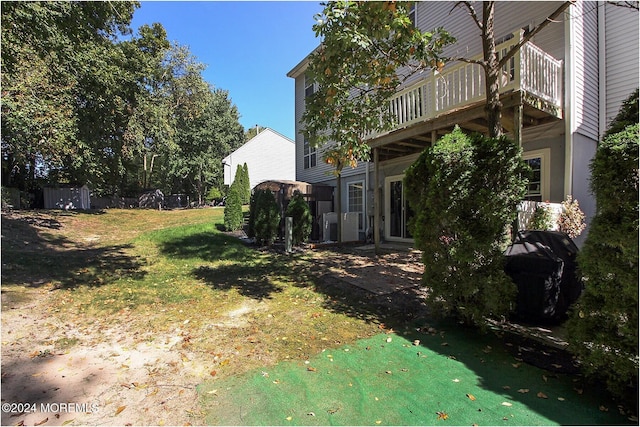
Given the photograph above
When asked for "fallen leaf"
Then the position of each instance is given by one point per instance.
(288, 418)
(561, 399)
(41, 422)
(389, 339)
(506, 387)
(444, 344)
(276, 381)
(311, 369)
(541, 395)
(68, 422)
(515, 365)
(471, 396)
(442, 415)
(455, 380)
(602, 409)
(387, 372)
(555, 365)
(523, 390)
(507, 404)
(544, 377)
(416, 342)
(311, 414)
(213, 373)
(378, 421)
(120, 409)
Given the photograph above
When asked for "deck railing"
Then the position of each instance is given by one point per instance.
(531, 70)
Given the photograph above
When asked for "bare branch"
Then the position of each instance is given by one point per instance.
(627, 4)
(528, 36)
(472, 12)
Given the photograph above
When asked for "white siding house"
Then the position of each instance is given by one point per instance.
(569, 82)
(268, 155)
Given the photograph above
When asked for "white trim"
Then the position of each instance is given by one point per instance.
(387, 208)
(363, 195)
(570, 96)
(545, 169)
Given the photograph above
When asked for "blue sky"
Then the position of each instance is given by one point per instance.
(248, 48)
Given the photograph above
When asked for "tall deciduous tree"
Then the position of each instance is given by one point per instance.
(356, 71)
(47, 48)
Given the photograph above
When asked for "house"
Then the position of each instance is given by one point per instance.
(559, 94)
(268, 155)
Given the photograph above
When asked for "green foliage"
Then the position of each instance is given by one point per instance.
(364, 43)
(541, 219)
(571, 220)
(299, 210)
(603, 328)
(214, 194)
(233, 218)
(246, 197)
(464, 191)
(628, 115)
(81, 103)
(264, 217)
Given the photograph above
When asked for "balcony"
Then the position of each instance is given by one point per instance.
(431, 106)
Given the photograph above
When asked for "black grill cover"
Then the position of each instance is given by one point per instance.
(543, 266)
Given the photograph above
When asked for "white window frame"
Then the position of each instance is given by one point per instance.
(362, 202)
(544, 154)
(309, 155)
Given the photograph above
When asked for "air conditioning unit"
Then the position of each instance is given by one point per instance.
(329, 227)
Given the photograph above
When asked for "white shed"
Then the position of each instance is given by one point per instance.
(67, 197)
(268, 155)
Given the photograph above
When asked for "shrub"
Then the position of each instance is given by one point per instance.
(214, 194)
(264, 217)
(299, 210)
(241, 181)
(603, 328)
(541, 219)
(464, 191)
(571, 220)
(233, 218)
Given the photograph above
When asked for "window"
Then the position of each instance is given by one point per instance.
(356, 201)
(539, 183)
(310, 157)
(309, 86)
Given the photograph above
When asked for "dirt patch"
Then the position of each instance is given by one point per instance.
(104, 374)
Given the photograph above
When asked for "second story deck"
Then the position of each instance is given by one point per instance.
(430, 107)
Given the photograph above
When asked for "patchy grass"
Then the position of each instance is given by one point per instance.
(175, 272)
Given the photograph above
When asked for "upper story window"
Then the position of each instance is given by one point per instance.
(310, 156)
(309, 85)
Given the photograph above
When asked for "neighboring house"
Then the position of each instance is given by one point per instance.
(268, 155)
(559, 95)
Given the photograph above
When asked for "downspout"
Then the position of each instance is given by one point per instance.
(570, 99)
(602, 69)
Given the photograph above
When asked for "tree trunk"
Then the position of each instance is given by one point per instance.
(492, 71)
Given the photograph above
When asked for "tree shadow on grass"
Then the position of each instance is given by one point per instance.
(499, 359)
(34, 257)
(251, 273)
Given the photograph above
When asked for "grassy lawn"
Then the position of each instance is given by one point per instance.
(151, 271)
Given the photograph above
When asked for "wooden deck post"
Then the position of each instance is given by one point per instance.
(517, 124)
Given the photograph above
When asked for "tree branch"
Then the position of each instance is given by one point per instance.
(472, 12)
(551, 18)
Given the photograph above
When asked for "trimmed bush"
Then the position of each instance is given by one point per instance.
(571, 220)
(541, 219)
(465, 191)
(264, 217)
(603, 328)
(233, 218)
(241, 181)
(299, 210)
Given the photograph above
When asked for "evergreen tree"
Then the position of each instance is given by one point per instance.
(233, 218)
(603, 328)
(298, 209)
